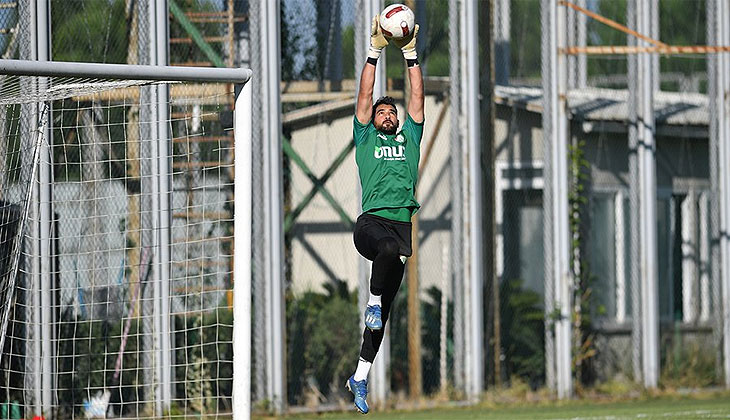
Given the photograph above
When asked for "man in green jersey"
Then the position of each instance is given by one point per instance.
(387, 160)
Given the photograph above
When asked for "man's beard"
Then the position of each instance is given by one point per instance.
(390, 130)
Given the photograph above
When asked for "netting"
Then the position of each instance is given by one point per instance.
(98, 269)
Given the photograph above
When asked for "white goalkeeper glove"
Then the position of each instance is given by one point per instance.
(408, 45)
(377, 40)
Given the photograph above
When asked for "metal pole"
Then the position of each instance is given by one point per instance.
(160, 72)
(635, 255)
(164, 144)
(723, 113)
(557, 241)
(45, 221)
(456, 167)
(259, 234)
(475, 330)
(563, 274)
(549, 82)
(243, 190)
(34, 231)
(276, 200)
(156, 205)
(647, 205)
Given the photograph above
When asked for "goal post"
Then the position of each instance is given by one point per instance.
(131, 279)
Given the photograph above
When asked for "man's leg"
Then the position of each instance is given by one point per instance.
(372, 339)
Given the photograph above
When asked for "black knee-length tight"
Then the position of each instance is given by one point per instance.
(383, 242)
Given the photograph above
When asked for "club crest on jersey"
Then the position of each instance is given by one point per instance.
(390, 152)
(399, 138)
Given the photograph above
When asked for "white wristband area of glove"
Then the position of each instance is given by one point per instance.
(374, 53)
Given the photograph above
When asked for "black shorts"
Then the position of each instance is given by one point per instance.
(370, 229)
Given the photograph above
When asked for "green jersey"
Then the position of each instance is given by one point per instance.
(388, 165)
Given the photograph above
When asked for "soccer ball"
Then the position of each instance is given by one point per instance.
(397, 21)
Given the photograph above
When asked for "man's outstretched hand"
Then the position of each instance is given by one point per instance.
(377, 40)
(408, 45)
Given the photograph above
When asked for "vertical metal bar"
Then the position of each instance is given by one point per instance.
(34, 230)
(276, 202)
(634, 246)
(549, 126)
(620, 253)
(45, 221)
(563, 274)
(714, 101)
(456, 168)
(724, 155)
(243, 190)
(475, 383)
(156, 207)
(647, 204)
(558, 275)
(259, 235)
(164, 144)
(272, 202)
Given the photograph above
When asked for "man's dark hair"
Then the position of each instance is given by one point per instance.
(385, 100)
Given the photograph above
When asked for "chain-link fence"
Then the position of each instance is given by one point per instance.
(321, 270)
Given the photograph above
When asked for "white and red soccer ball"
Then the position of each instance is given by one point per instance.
(397, 21)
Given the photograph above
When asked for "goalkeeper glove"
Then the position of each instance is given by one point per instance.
(377, 40)
(408, 45)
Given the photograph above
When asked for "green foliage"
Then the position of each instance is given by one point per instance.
(583, 336)
(525, 38)
(323, 339)
(430, 312)
(92, 31)
(523, 333)
(88, 351)
(687, 364)
(207, 362)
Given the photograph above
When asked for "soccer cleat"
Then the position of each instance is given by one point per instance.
(360, 390)
(373, 318)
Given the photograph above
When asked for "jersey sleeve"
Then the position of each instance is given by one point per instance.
(360, 131)
(413, 130)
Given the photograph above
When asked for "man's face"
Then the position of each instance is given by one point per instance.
(386, 119)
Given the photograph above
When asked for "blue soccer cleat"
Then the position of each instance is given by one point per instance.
(373, 318)
(360, 390)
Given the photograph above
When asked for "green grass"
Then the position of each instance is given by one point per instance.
(715, 407)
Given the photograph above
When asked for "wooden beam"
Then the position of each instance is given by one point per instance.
(624, 49)
(612, 23)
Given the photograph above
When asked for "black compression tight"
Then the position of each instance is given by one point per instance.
(386, 278)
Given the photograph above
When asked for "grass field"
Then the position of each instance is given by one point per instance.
(716, 407)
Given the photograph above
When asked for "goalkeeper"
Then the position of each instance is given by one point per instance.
(387, 161)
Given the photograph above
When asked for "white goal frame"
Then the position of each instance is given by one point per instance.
(242, 120)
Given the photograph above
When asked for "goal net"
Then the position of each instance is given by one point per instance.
(116, 247)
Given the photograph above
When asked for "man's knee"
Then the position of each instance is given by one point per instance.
(388, 247)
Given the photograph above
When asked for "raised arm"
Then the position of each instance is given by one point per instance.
(363, 109)
(415, 100)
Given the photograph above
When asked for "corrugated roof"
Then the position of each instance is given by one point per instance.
(612, 104)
